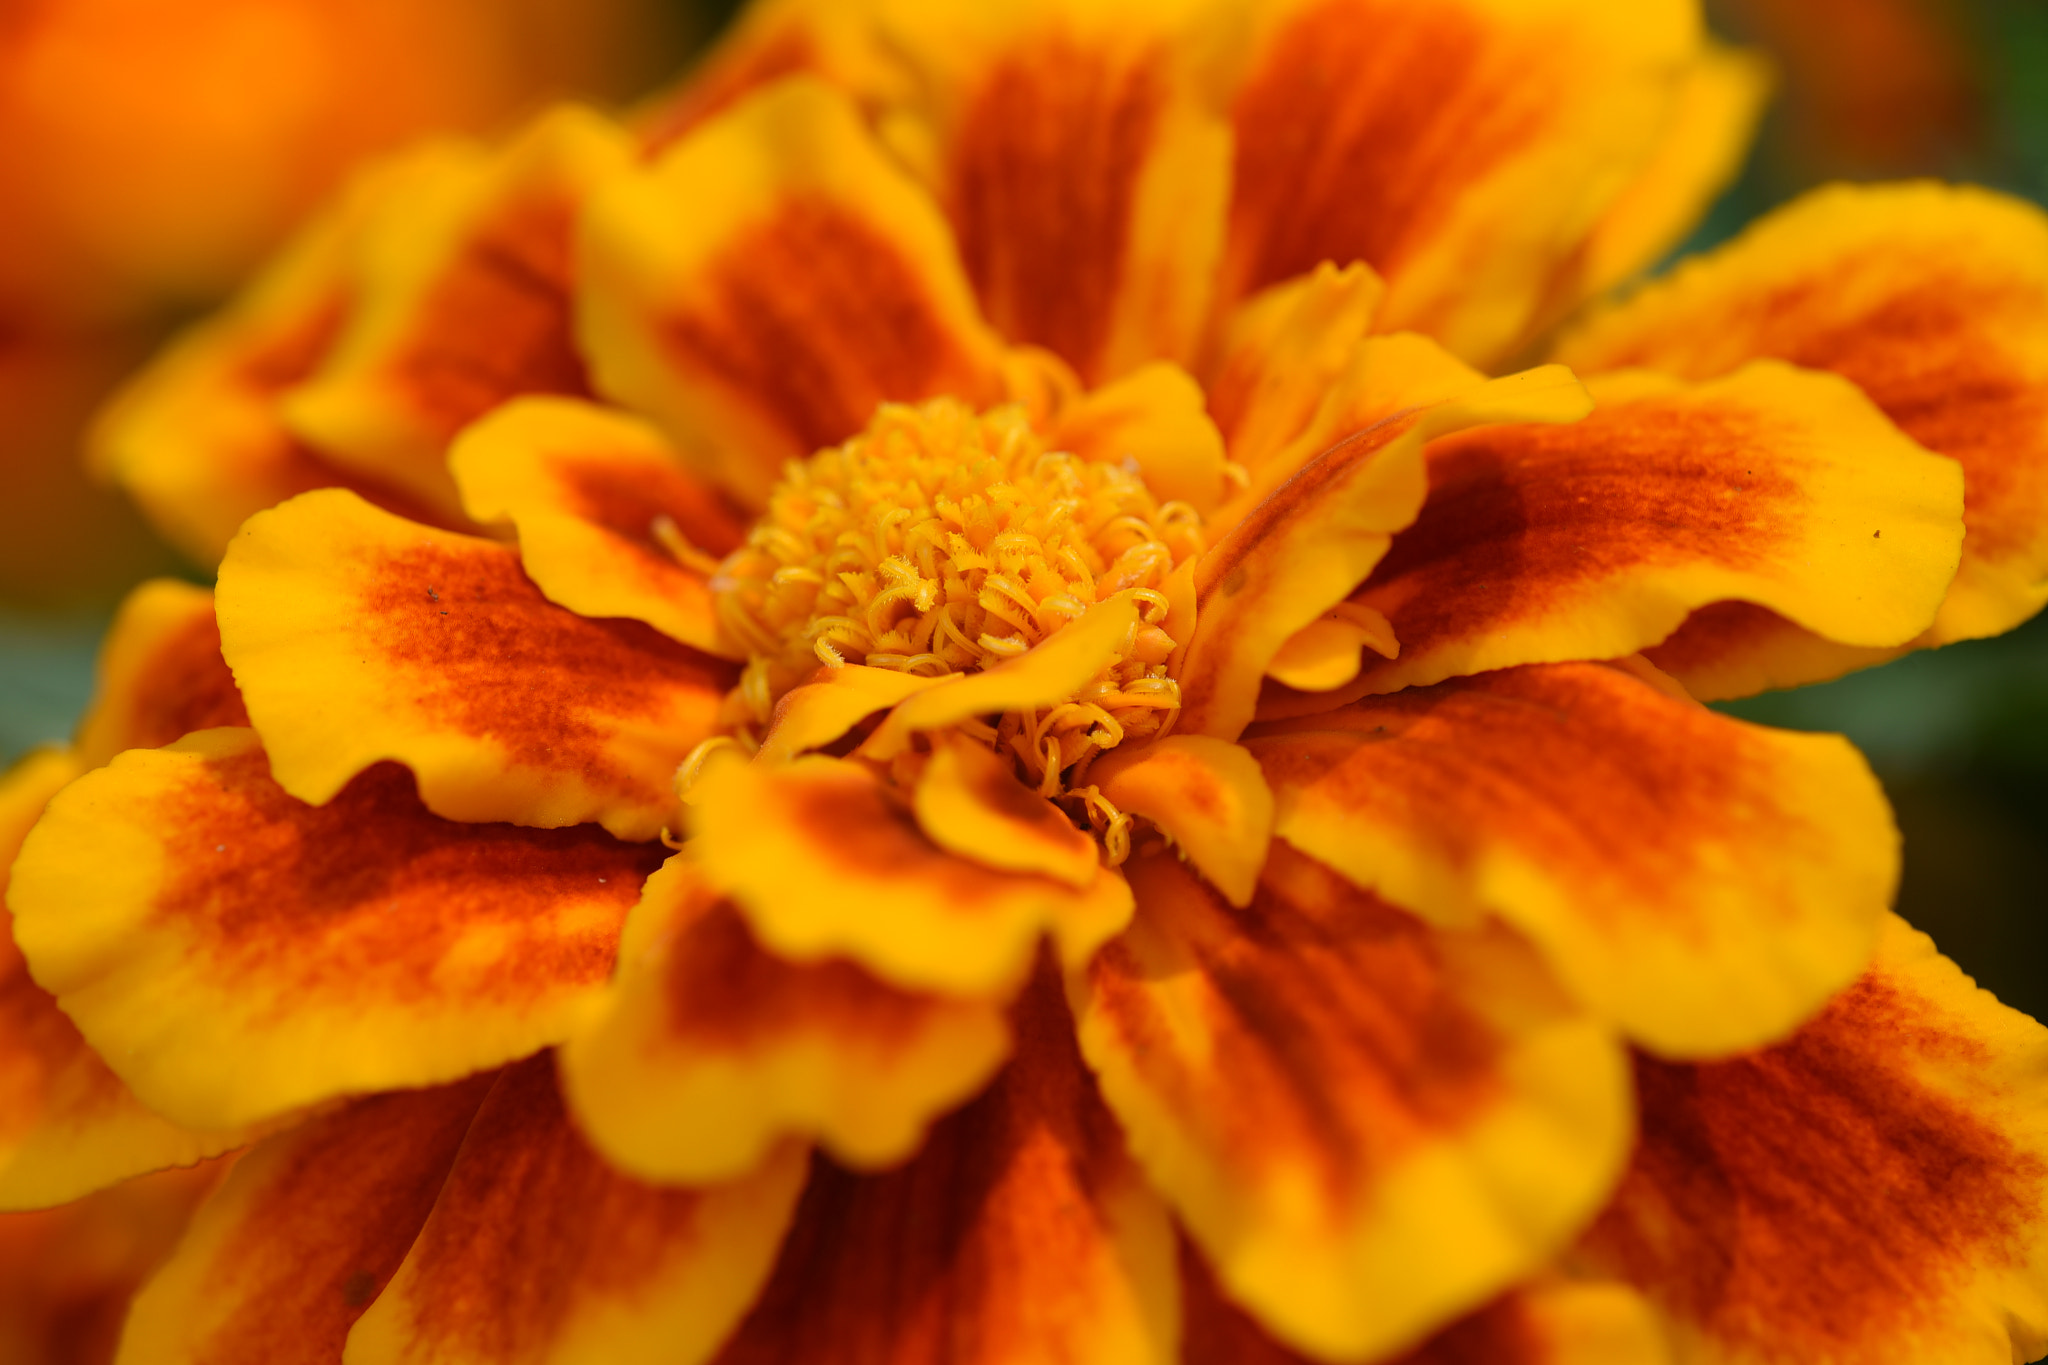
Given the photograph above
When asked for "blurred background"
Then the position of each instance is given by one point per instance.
(150, 150)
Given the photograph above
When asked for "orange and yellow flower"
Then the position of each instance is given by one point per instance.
(927, 708)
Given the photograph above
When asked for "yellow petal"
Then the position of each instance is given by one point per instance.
(969, 802)
(1152, 417)
(833, 702)
(1325, 654)
(712, 1049)
(161, 675)
(1210, 798)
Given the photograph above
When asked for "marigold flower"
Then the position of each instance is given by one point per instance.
(928, 709)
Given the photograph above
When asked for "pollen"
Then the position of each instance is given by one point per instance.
(942, 540)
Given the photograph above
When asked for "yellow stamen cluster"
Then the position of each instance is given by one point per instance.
(945, 541)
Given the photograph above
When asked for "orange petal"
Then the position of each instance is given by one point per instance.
(1869, 1189)
(197, 438)
(824, 863)
(1316, 536)
(1282, 351)
(1774, 485)
(1705, 883)
(969, 802)
(462, 296)
(306, 1231)
(1461, 149)
(236, 954)
(161, 675)
(1076, 153)
(1934, 300)
(1369, 1126)
(1210, 798)
(1021, 1231)
(831, 704)
(358, 636)
(1152, 417)
(769, 281)
(609, 522)
(539, 1251)
(712, 1049)
(1546, 1322)
(67, 1124)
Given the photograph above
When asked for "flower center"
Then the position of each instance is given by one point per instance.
(942, 541)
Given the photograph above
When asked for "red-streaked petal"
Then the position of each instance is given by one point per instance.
(236, 954)
(161, 675)
(1546, 1322)
(1368, 1125)
(1021, 1231)
(197, 438)
(1077, 153)
(537, 1251)
(67, 1124)
(712, 1048)
(1210, 798)
(1315, 537)
(1704, 883)
(1777, 486)
(1462, 149)
(825, 863)
(305, 1232)
(1870, 1189)
(358, 636)
(1934, 301)
(769, 281)
(461, 300)
(610, 523)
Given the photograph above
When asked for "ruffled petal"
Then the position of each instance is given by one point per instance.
(68, 1125)
(1021, 1231)
(969, 802)
(1207, 795)
(1462, 149)
(824, 863)
(461, 301)
(822, 711)
(712, 1048)
(236, 954)
(1934, 300)
(1870, 1189)
(1777, 486)
(1316, 536)
(306, 1231)
(161, 675)
(358, 636)
(197, 437)
(1546, 1322)
(1077, 152)
(1368, 1125)
(539, 1253)
(1704, 883)
(610, 524)
(1152, 417)
(769, 281)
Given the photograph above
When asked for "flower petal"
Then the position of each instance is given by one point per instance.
(197, 438)
(610, 523)
(823, 863)
(969, 802)
(1316, 536)
(1075, 150)
(769, 281)
(161, 675)
(1544, 1322)
(538, 1253)
(236, 954)
(1210, 798)
(1705, 883)
(358, 636)
(1368, 1125)
(1328, 652)
(836, 700)
(1021, 1231)
(1465, 188)
(1152, 417)
(67, 1124)
(462, 300)
(712, 1048)
(306, 1230)
(1871, 1188)
(1934, 300)
(1779, 486)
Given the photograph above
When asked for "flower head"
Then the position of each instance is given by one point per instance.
(933, 713)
